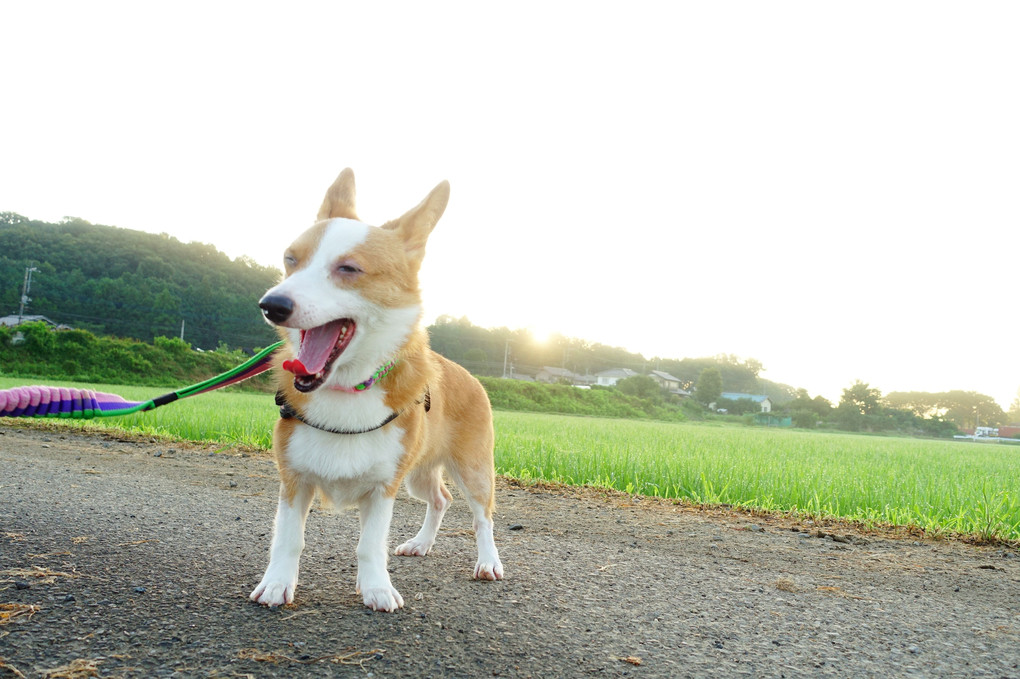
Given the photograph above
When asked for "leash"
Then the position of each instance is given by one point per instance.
(63, 402)
(85, 404)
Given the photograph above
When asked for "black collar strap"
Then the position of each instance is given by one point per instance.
(287, 412)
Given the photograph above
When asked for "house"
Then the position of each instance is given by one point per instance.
(14, 320)
(551, 375)
(609, 378)
(668, 382)
(764, 401)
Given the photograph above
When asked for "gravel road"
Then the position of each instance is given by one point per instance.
(135, 559)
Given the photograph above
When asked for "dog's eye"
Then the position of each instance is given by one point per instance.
(290, 260)
(346, 266)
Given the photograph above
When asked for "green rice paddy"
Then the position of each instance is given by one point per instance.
(939, 486)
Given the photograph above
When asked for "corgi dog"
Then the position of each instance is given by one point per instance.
(366, 405)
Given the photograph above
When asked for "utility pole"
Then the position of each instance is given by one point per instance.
(506, 361)
(182, 329)
(25, 288)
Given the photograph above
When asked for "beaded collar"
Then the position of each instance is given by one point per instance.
(382, 372)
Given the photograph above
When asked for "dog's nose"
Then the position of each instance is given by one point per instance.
(276, 308)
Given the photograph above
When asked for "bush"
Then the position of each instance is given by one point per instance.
(849, 418)
(172, 345)
(507, 394)
(38, 338)
(78, 355)
(641, 386)
(804, 419)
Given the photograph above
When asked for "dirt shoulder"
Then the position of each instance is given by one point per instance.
(136, 558)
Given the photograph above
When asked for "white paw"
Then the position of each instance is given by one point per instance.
(414, 547)
(489, 570)
(383, 599)
(273, 593)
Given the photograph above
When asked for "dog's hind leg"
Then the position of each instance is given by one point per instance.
(427, 486)
(478, 486)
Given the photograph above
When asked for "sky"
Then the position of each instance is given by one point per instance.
(830, 188)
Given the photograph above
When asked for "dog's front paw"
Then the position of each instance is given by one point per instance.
(414, 547)
(271, 594)
(488, 570)
(383, 599)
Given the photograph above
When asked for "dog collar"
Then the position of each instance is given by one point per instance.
(382, 372)
(287, 411)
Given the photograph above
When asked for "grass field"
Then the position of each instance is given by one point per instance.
(940, 486)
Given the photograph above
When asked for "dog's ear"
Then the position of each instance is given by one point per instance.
(416, 225)
(339, 200)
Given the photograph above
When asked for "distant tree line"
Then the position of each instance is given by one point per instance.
(131, 284)
(499, 351)
(862, 408)
(968, 409)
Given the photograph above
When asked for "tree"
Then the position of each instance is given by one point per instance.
(822, 406)
(803, 419)
(969, 409)
(819, 406)
(848, 417)
(1014, 409)
(737, 375)
(921, 403)
(641, 386)
(476, 360)
(965, 409)
(709, 386)
(862, 398)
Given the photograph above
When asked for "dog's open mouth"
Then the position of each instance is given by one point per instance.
(319, 348)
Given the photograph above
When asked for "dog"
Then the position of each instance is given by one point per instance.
(366, 405)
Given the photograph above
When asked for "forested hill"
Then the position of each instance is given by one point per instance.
(127, 283)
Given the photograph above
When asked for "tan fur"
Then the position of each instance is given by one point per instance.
(388, 279)
(467, 430)
(416, 224)
(301, 250)
(339, 200)
(458, 426)
(289, 481)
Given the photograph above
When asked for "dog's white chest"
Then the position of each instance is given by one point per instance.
(346, 466)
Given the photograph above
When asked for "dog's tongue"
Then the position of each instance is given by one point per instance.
(316, 346)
